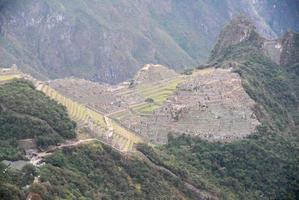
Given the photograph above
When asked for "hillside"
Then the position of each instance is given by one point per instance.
(111, 40)
(28, 120)
(265, 164)
(105, 174)
(28, 114)
(240, 169)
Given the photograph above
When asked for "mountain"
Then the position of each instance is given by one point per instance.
(264, 165)
(111, 40)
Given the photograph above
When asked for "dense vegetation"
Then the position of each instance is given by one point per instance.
(26, 113)
(96, 171)
(11, 181)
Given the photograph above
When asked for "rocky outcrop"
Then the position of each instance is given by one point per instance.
(283, 51)
(153, 73)
(239, 30)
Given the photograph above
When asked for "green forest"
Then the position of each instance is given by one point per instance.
(26, 113)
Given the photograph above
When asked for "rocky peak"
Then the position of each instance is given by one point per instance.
(239, 30)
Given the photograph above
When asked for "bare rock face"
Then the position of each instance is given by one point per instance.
(2, 108)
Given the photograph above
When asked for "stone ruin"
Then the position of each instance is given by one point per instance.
(13, 70)
(98, 96)
(212, 105)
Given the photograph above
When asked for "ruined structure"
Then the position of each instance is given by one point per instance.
(212, 104)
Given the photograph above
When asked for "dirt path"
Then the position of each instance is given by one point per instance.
(200, 195)
(37, 158)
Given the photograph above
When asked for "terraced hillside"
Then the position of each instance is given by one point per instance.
(94, 122)
(142, 95)
(209, 103)
(152, 96)
(103, 127)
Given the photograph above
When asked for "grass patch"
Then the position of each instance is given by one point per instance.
(8, 77)
(146, 109)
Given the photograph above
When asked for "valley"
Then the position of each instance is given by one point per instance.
(109, 41)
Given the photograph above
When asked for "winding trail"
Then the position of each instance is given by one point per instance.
(200, 194)
(37, 159)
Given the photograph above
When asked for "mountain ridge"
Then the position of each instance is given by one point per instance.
(109, 41)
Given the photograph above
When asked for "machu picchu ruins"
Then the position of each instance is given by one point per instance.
(210, 103)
